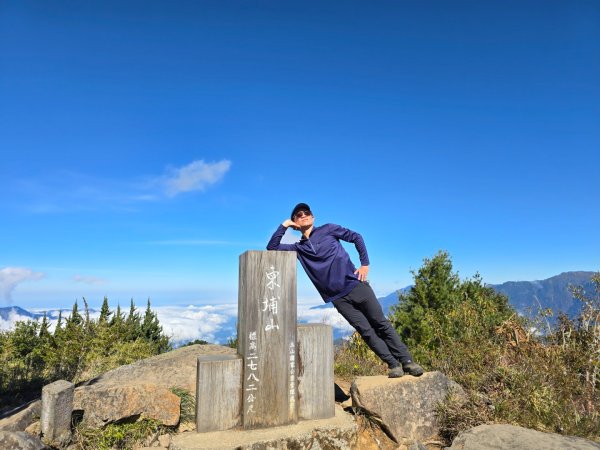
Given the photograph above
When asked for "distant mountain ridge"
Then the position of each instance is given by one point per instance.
(7, 311)
(551, 293)
(526, 296)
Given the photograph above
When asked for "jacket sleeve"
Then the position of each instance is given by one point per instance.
(275, 242)
(354, 238)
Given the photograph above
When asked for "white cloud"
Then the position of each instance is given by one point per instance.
(329, 316)
(210, 323)
(10, 277)
(13, 317)
(88, 280)
(70, 191)
(196, 176)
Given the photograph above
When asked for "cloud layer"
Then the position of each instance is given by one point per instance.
(10, 277)
(214, 324)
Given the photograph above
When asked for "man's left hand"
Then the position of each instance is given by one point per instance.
(362, 272)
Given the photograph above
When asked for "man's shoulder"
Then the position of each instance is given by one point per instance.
(326, 227)
(330, 225)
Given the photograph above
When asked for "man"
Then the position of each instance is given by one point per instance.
(330, 269)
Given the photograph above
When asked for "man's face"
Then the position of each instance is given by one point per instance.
(304, 218)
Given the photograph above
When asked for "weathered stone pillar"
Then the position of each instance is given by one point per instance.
(267, 338)
(57, 408)
(316, 388)
(218, 392)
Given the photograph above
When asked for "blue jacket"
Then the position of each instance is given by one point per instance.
(325, 261)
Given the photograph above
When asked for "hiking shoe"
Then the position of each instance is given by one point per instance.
(412, 368)
(396, 372)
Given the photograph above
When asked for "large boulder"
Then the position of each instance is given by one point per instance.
(176, 368)
(143, 389)
(404, 407)
(104, 404)
(23, 416)
(500, 437)
(19, 440)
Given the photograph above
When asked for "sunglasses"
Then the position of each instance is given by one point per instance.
(303, 213)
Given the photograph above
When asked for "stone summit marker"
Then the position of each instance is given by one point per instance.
(282, 372)
(267, 338)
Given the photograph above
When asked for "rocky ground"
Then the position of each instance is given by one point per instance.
(371, 413)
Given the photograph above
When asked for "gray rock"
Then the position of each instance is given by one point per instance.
(403, 407)
(35, 429)
(501, 437)
(104, 404)
(417, 446)
(143, 388)
(176, 368)
(57, 407)
(19, 440)
(23, 416)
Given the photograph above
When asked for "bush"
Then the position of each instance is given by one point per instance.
(355, 358)
(78, 349)
(511, 373)
(122, 436)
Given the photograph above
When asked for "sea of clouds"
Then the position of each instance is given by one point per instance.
(212, 323)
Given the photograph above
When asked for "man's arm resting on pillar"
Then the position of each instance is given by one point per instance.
(275, 242)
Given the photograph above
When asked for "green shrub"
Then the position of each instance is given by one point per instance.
(355, 358)
(79, 348)
(121, 436)
(511, 372)
(187, 412)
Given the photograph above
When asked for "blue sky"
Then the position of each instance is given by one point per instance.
(146, 145)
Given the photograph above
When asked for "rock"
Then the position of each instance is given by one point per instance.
(143, 388)
(23, 416)
(164, 440)
(404, 407)
(35, 429)
(371, 437)
(176, 368)
(338, 432)
(500, 437)
(186, 426)
(19, 440)
(417, 446)
(57, 408)
(102, 404)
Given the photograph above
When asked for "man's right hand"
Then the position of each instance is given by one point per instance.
(290, 223)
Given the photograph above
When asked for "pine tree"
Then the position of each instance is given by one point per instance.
(58, 327)
(152, 331)
(435, 287)
(44, 332)
(133, 323)
(104, 311)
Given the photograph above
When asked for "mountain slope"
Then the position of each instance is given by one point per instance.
(550, 293)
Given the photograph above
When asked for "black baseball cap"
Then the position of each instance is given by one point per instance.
(300, 207)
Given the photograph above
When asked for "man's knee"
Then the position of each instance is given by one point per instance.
(366, 333)
(384, 326)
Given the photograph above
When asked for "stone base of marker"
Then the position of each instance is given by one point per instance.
(218, 392)
(316, 391)
(57, 408)
(336, 433)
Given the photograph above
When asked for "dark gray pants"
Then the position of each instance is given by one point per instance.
(362, 310)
